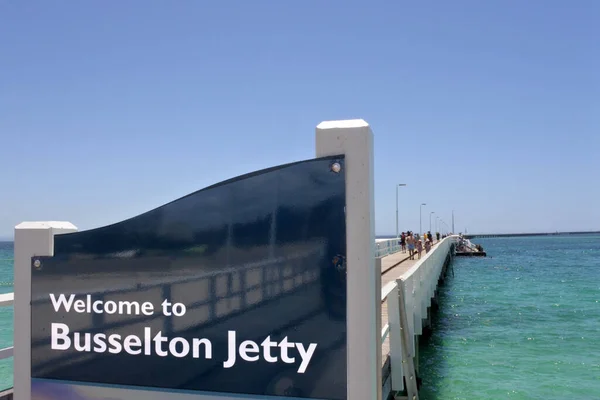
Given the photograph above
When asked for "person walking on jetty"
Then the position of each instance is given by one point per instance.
(427, 246)
(419, 248)
(403, 242)
(410, 241)
(437, 234)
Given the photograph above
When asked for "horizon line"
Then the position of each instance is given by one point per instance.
(392, 235)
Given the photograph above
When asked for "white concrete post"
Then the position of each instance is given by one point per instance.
(31, 239)
(408, 369)
(395, 336)
(354, 139)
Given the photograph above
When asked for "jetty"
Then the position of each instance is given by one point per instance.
(409, 297)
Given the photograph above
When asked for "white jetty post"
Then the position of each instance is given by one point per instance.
(31, 239)
(395, 335)
(354, 139)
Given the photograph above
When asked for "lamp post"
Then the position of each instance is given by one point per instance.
(397, 186)
(430, 214)
(421, 218)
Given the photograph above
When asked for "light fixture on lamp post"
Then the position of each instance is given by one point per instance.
(397, 186)
(421, 218)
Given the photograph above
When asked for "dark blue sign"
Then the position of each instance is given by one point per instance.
(236, 288)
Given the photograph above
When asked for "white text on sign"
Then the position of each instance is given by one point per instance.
(151, 343)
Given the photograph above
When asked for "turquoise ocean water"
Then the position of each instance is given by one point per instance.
(6, 313)
(523, 323)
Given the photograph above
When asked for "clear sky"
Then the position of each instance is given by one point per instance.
(490, 108)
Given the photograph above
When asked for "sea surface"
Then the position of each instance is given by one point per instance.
(523, 323)
(6, 313)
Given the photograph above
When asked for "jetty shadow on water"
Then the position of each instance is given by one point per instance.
(433, 355)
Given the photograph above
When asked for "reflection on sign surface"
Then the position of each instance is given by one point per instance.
(237, 288)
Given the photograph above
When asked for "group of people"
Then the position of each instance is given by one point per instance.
(415, 244)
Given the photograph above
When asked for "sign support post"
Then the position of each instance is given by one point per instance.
(354, 139)
(31, 239)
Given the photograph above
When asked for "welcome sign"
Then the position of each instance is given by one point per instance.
(239, 288)
(156, 343)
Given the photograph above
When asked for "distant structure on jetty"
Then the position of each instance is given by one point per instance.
(465, 248)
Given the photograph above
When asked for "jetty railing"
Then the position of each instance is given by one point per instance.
(387, 247)
(408, 299)
(6, 300)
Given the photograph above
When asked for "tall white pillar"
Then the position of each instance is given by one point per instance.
(354, 139)
(31, 239)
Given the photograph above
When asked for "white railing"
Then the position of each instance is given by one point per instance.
(408, 298)
(386, 247)
(6, 299)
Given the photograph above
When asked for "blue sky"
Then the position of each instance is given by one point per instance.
(109, 109)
